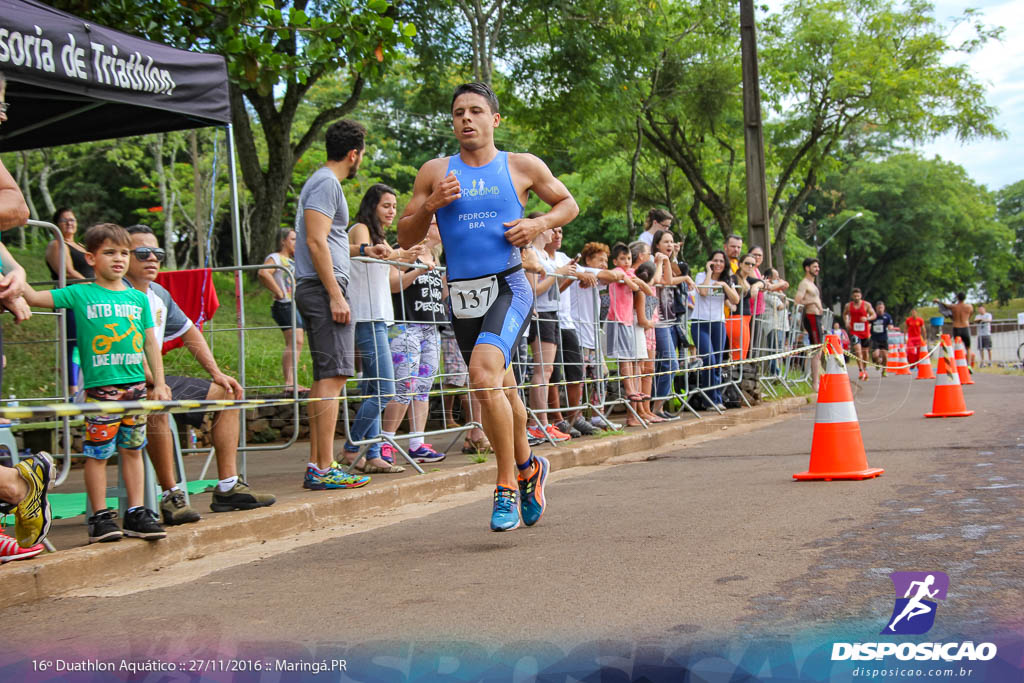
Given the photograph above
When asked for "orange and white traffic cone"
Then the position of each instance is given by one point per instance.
(837, 450)
(902, 364)
(892, 360)
(948, 400)
(924, 364)
(960, 355)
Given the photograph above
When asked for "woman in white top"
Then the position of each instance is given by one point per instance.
(369, 296)
(707, 324)
(280, 285)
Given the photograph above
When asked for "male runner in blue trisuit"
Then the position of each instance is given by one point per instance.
(478, 197)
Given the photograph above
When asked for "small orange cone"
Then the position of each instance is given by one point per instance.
(961, 362)
(924, 364)
(892, 361)
(902, 364)
(837, 450)
(948, 400)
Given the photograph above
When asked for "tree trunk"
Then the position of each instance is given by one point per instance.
(167, 199)
(484, 34)
(632, 177)
(198, 193)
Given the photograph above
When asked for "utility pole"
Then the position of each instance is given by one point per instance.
(757, 193)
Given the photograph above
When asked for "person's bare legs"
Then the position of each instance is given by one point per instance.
(13, 487)
(133, 473)
(288, 355)
(544, 355)
(574, 394)
(815, 369)
(323, 420)
(95, 474)
(502, 411)
(555, 404)
(160, 449)
(471, 407)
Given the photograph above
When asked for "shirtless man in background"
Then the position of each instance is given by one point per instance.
(961, 311)
(809, 296)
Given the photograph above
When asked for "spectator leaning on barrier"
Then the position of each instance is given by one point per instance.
(280, 285)
(544, 337)
(369, 295)
(646, 308)
(415, 346)
(669, 336)
(657, 219)
(984, 320)
(118, 324)
(22, 488)
(585, 313)
(620, 333)
(707, 325)
(322, 267)
(75, 267)
(568, 358)
(170, 322)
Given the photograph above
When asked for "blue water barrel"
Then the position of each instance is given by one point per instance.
(937, 321)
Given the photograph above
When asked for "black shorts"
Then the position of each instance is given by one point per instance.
(985, 342)
(880, 343)
(504, 321)
(189, 389)
(281, 312)
(570, 356)
(965, 334)
(812, 323)
(546, 325)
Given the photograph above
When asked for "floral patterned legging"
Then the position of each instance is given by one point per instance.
(415, 353)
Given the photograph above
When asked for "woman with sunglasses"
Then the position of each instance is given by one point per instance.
(714, 286)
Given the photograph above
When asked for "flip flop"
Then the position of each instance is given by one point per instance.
(369, 468)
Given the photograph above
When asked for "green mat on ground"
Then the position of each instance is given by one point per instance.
(66, 505)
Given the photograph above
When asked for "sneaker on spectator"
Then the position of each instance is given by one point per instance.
(695, 362)
(536, 433)
(584, 427)
(505, 516)
(32, 515)
(143, 523)
(103, 527)
(426, 453)
(602, 425)
(387, 453)
(556, 433)
(332, 479)
(240, 497)
(534, 440)
(10, 550)
(567, 428)
(175, 510)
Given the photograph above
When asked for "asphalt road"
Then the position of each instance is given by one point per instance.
(702, 546)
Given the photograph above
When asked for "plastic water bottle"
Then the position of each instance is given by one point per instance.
(12, 402)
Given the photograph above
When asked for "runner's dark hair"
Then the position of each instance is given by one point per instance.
(342, 137)
(477, 88)
(282, 235)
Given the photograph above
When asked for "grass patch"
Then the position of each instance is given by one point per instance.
(478, 458)
(999, 370)
(610, 432)
(1010, 310)
(31, 347)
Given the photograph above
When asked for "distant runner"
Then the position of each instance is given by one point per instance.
(881, 323)
(478, 196)
(914, 325)
(858, 314)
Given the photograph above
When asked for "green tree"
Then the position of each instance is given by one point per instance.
(276, 51)
(1010, 211)
(927, 230)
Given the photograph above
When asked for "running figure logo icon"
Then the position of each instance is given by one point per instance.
(914, 613)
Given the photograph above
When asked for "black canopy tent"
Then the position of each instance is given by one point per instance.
(70, 80)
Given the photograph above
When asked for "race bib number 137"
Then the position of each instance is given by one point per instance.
(473, 298)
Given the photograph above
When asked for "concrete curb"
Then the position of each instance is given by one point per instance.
(55, 574)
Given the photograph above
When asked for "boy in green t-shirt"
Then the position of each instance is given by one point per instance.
(115, 335)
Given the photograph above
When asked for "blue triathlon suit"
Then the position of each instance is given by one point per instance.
(473, 234)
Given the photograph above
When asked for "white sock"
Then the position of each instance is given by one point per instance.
(390, 435)
(225, 484)
(415, 440)
(168, 492)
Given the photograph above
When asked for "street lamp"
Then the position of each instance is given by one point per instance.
(819, 247)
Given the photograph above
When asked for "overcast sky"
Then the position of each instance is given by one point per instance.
(1000, 66)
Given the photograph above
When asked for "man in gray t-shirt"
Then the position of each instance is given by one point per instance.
(322, 193)
(322, 262)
